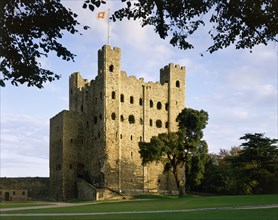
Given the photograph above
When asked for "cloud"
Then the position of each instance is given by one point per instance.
(24, 145)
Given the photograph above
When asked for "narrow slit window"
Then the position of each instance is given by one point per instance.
(113, 95)
(151, 103)
(122, 98)
(159, 105)
(113, 116)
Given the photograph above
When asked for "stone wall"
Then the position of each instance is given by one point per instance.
(97, 139)
(35, 188)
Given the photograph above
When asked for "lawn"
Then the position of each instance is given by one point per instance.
(13, 204)
(166, 203)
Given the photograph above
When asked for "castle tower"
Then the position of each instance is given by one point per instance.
(97, 140)
(174, 75)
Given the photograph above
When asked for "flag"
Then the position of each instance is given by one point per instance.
(101, 15)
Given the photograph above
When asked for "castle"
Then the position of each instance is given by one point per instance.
(94, 145)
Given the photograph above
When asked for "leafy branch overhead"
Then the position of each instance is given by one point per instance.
(30, 30)
(244, 23)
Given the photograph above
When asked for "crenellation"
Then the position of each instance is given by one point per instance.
(96, 141)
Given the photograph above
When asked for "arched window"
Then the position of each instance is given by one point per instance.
(113, 116)
(122, 118)
(158, 123)
(122, 98)
(151, 103)
(111, 68)
(140, 101)
(159, 105)
(131, 99)
(131, 119)
(178, 83)
(113, 95)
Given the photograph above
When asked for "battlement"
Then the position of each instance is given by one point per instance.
(116, 49)
(172, 66)
(107, 118)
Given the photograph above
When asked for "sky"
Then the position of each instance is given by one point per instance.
(237, 88)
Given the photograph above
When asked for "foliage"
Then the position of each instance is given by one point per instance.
(244, 23)
(251, 169)
(29, 30)
(178, 150)
(257, 164)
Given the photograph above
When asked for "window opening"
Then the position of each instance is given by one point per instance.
(122, 118)
(158, 123)
(131, 100)
(111, 68)
(151, 103)
(113, 116)
(122, 98)
(140, 101)
(151, 122)
(131, 119)
(178, 84)
(113, 95)
(159, 105)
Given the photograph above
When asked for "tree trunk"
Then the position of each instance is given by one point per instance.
(178, 172)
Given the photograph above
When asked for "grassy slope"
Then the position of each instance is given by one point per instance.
(169, 203)
(256, 214)
(22, 204)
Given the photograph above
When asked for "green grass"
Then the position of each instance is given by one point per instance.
(168, 203)
(12, 204)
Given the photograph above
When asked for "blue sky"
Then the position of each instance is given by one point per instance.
(237, 88)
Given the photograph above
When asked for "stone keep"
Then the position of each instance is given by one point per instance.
(96, 140)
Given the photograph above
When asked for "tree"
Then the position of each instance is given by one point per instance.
(257, 164)
(175, 150)
(30, 29)
(244, 23)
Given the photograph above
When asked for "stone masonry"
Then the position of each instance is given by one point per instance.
(96, 140)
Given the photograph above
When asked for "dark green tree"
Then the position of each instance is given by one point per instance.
(30, 29)
(177, 150)
(245, 23)
(257, 164)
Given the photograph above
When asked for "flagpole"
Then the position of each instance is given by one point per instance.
(108, 31)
